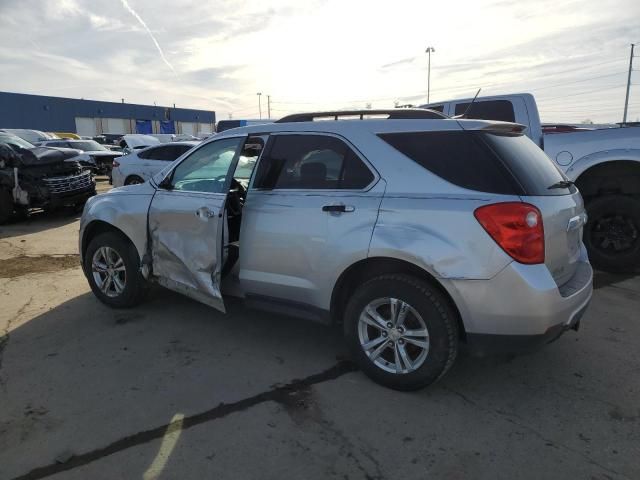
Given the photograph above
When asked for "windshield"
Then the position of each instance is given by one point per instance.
(87, 146)
(15, 141)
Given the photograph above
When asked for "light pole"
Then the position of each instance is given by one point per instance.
(259, 104)
(626, 99)
(428, 52)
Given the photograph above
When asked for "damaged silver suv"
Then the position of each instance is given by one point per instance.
(417, 233)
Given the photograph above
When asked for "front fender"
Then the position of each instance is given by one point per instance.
(125, 210)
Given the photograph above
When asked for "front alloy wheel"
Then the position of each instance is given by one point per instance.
(109, 271)
(112, 266)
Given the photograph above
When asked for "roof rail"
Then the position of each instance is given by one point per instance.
(393, 114)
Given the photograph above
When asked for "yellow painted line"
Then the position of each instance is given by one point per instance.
(169, 441)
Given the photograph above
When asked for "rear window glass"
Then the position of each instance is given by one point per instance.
(458, 157)
(490, 110)
(528, 164)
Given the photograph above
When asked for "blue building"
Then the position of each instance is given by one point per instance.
(91, 117)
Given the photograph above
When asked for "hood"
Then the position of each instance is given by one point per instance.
(46, 156)
(139, 189)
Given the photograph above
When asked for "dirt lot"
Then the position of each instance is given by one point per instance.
(174, 390)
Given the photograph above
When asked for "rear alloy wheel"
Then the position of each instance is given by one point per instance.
(401, 331)
(133, 180)
(393, 335)
(612, 233)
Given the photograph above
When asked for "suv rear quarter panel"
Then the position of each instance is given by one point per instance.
(438, 234)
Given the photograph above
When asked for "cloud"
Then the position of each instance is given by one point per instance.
(398, 63)
(126, 5)
(319, 54)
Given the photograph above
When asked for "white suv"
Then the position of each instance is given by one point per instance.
(414, 231)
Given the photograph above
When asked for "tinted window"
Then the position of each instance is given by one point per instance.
(458, 157)
(86, 146)
(528, 163)
(150, 153)
(206, 169)
(489, 110)
(437, 108)
(311, 162)
(180, 149)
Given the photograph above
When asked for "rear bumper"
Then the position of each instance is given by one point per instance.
(480, 344)
(522, 307)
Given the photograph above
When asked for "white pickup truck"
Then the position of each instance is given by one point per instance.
(604, 164)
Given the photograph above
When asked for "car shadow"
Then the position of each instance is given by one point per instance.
(82, 375)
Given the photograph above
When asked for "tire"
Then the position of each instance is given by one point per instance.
(128, 286)
(133, 180)
(6, 205)
(426, 304)
(612, 233)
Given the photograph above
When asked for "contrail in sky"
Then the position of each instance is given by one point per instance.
(126, 5)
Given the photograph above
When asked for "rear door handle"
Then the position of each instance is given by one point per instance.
(338, 208)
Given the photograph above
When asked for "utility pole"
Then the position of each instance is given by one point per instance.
(259, 104)
(428, 52)
(268, 106)
(626, 99)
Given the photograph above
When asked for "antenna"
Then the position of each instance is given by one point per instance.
(464, 115)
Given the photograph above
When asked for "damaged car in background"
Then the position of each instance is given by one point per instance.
(92, 155)
(41, 178)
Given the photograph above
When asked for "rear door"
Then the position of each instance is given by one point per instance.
(310, 209)
(186, 221)
(560, 204)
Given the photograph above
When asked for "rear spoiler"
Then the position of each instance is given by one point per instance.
(497, 127)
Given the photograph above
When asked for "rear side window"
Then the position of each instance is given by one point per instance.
(458, 157)
(316, 162)
(150, 153)
(490, 110)
(528, 164)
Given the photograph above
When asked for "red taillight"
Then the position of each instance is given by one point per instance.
(116, 164)
(516, 227)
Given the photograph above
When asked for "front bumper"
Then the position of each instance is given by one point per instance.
(75, 199)
(521, 308)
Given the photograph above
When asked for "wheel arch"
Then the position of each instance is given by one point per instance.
(607, 175)
(369, 267)
(95, 228)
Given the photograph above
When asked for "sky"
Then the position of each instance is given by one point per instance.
(324, 54)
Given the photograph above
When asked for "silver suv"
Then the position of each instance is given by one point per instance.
(417, 233)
